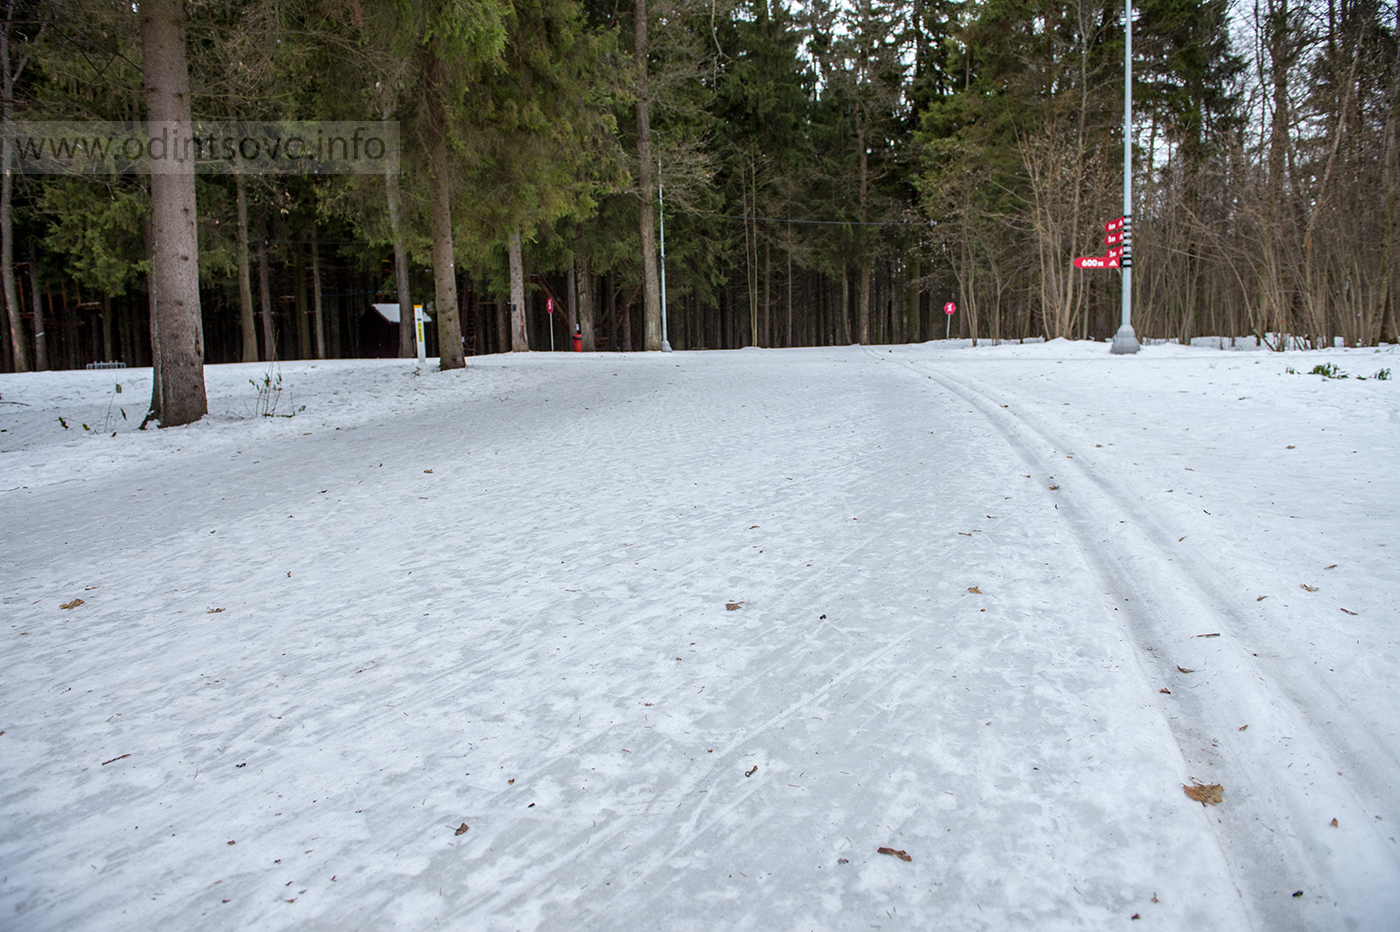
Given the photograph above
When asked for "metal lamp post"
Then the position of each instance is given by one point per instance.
(1125, 341)
(661, 192)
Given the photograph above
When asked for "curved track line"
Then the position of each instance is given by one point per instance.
(1274, 830)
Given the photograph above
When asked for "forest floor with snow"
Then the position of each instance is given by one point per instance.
(685, 641)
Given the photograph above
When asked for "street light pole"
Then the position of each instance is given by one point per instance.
(661, 192)
(1125, 341)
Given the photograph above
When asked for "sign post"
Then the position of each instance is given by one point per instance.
(549, 309)
(949, 310)
(418, 332)
(1125, 341)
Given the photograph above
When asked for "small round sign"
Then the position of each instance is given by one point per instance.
(949, 308)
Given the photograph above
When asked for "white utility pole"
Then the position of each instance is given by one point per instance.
(1125, 341)
(661, 193)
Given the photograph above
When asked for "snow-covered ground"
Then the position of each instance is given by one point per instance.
(683, 639)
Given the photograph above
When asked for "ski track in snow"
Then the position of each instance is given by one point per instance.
(533, 639)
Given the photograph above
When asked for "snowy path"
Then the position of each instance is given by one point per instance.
(533, 639)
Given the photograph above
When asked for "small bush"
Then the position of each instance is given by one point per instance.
(1327, 370)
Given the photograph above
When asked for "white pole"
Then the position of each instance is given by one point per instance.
(1125, 341)
(418, 331)
(661, 192)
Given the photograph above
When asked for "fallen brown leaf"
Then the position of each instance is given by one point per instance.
(1243, 728)
(427, 470)
(460, 829)
(73, 604)
(1349, 611)
(1215, 635)
(964, 534)
(1203, 793)
(1165, 690)
(1307, 587)
(1184, 669)
(1332, 567)
(732, 606)
(213, 611)
(1334, 824)
(899, 853)
(974, 589)
(1054, 488)
(1261, 598)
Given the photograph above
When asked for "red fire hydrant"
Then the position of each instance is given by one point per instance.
(578, 340)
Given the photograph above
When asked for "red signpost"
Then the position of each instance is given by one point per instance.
(948, 309)
(1117, 242)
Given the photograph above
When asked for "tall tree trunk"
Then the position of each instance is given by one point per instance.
(571, 287)
(587, 307)
(174, 215)
(245, 284)
(519, 336)
(449, 324)
(646, 181)
(7, 232)
(408, 336)
(269, 331)
(316, 295)
(41, 339)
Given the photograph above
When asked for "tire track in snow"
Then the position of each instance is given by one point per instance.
(1357, 869)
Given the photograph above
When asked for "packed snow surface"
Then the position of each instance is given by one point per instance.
(681, 641)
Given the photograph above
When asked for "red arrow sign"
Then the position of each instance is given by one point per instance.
(1114, 253)
(1096, 262)
(549, 305)
(1113, 225)
(1113, 238)
(949, 308)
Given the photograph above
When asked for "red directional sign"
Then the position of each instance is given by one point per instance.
(1113, 238)
(1096, 262)
(1113, 226)
(949, 308)
(549, 305)
(1114, 253)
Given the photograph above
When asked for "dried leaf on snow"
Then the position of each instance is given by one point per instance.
(1307, 587)
(73, 604)
(460, 829)
(732, 606)
(974, 589)
(1203, 793)
(1184, 669)
(899, 853)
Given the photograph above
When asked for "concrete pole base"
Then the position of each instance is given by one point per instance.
(1125, 341)
(665, 346)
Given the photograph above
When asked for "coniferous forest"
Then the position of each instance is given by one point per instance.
(826, 174)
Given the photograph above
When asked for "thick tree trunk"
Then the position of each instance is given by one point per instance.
(174, 215)
(408, 336)
(449, 325)
(246, 323)
(519, 337)
(587, 305)
(646, 181)
(7, 232)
